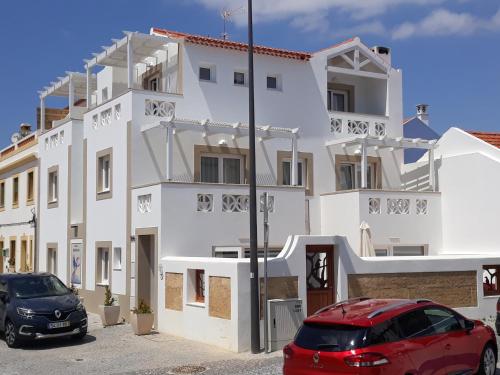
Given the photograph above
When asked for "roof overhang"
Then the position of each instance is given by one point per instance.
(144, 46)
(61, 87)
(383, 142)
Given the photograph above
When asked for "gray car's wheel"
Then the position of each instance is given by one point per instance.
(11, 335)
(488, 361)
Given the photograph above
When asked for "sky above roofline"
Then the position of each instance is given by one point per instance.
(447, 49)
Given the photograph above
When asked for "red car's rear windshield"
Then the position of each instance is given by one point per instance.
(331, 338)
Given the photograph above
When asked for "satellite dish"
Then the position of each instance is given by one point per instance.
(15, 137)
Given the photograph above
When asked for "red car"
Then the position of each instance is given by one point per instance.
(400, 337)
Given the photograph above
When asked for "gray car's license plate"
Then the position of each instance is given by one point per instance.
(59, 324)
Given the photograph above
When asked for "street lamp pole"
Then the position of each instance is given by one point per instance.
(254, 265)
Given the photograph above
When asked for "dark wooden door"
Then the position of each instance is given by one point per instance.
(319, 277)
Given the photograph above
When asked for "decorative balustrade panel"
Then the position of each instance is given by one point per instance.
(336, 125)
(54, 140)
(379, 129)
(106, 117)
(343, 123)
(357, 127)
(398, 206)
(118, 109)
(374, 207)
(235, 203)
(144, 203)
(159, 108)
(421, 206)
(205, 203)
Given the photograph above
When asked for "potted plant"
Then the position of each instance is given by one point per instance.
(142, 319)
(109, 312)
(12, 264)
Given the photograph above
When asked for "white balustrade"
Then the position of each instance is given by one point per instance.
(398, 206)
(346, 123)
(205, 203)
(421, 206)
(159, 108)
(374, 207)
(144, 203)
(235, 203)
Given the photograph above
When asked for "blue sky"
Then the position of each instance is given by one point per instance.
(448, 49)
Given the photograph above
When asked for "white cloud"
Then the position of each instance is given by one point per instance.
(442, 22)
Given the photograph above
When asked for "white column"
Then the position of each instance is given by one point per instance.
(364, 166)
(130, 63)
(71, 96)
(295, 162)
(432, 182)
(42, 114)
(89, 95)
(170, 145)
(387, 97)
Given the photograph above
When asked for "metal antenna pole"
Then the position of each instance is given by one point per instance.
(266, 245)
(254, 265)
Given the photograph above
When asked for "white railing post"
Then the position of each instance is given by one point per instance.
(42, 114)
(130, 62)
(71, 95)
(89, 75)
(364, 166)
(295, 162)
(170, 145)
(432, 182)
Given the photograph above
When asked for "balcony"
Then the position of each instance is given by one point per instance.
(343, 124)
(395, 217)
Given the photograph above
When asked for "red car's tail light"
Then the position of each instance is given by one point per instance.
(287, 352)
(366, 360)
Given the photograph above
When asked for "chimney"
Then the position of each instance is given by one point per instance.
(383, 52)
(423, 113)
(25, 129)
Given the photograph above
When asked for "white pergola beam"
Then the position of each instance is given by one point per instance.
(361, 73)
(383, 142)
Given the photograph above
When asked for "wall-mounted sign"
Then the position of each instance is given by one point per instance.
(76, 263)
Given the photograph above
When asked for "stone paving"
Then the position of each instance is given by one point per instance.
(116, 350)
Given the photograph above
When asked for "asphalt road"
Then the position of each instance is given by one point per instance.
(116, 350)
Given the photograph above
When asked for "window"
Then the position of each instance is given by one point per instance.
(53, 188)
(383, 333)
(200, 286)
(196, 286)
(12, 252)
(52, 260)
(400, 250)
(104, 175)
(442, 320)
(104, 94)
(226, 169)
(239, 78)
(2, 194)
(415, 324)
(207, 73)
(117, 258)
(287, 173)
(15, 192)
(491, 286)
(304, 170)
(272, 82)
(330, 337)
(338, 100)
(350, 176)
(31, 186)
(154, 84)
(102, 266)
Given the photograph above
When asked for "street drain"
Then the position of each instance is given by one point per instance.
(188, 370)
(78, 359)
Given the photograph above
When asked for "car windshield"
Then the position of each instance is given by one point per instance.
(38, 286)
(330, 338)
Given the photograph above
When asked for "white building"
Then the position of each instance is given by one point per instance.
(143, 184)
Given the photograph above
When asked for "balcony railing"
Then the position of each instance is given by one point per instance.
(347, 123)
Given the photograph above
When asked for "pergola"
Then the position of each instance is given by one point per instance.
(134, 48)
(364, 142)
(72, 86)
(208, 127)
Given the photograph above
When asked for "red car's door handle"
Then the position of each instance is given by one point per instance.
(447, 347)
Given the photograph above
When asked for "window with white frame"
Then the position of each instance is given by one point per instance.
(350, 176)
(273, 82)
(117, 258)
(207, 73)
(102, 266)
(338, 100)
(104, 173)
(53, 188)
(225, 169)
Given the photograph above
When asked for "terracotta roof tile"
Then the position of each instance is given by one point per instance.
(214, 42)
(489, 137)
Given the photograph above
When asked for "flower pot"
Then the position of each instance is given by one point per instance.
(142, 324)
(109, 315)
(12, 269)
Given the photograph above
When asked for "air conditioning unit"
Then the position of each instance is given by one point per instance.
(285, 318)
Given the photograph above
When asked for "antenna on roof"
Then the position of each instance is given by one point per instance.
(226, 15)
